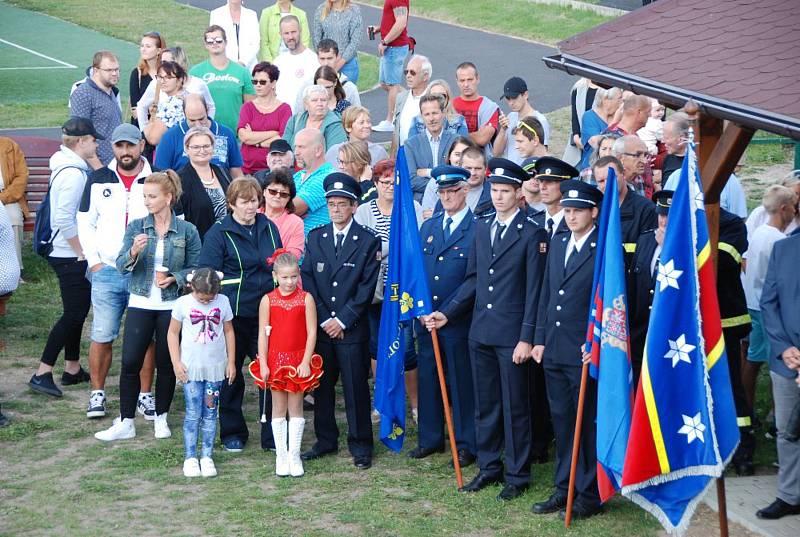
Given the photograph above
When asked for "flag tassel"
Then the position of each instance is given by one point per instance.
(576, 445)
(446, 402)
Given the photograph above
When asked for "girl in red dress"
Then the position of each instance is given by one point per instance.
(286, 359)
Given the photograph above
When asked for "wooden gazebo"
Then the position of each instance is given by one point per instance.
(736, 59)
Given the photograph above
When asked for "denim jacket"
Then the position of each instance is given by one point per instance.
(181, 252)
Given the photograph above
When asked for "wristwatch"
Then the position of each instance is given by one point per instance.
(384, 43)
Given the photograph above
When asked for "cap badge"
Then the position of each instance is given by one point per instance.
(547, 171)
(338, 184)
(572, 193)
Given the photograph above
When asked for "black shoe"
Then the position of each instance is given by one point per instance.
(422, 452)
(315, 453)
(744, 468)
(4, 421)
(510, 492)
(68, 379)
(465, 458)
(778, 509)
(580, 512)
(481, 481)
(45, 384)
(362, 462)
(308, 406)
(554, 503)
(539, 457)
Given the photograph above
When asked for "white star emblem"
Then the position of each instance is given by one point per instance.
(679, 350)
(692, 428)
(668, 275)
(699, 201)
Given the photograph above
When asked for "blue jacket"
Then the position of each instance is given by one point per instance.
(779, 311)
(181, 250)
(243, 260)
(419, 155)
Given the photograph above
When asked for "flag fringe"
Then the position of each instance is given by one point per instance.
(661, 516)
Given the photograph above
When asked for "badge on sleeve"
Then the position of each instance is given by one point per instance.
(542, 247)
(430, 239)
(378, 256)
(320, 267)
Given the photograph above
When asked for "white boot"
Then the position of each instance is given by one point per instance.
(281, 453)
(296, 426)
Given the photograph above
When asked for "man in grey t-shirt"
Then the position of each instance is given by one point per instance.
(515, 93)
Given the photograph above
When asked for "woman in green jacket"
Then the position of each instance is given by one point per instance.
(271, 43)
(317, 115)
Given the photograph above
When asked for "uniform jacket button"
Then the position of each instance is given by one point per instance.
(491, 288)
(491, 271)
(558, 323)
(335, 284)
(333, 299)
(435, 297)
(488, 306)
(652, 291)
(441, 258)
(558, 308)
(560, 291)
(436, 278)
(333, 314)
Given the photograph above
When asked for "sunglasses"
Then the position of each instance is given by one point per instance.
(273, 192)
(215, 41)
(260, 82)
(410, 72)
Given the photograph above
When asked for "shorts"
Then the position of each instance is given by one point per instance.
(758, 351)
(109, 299)
(391, 67)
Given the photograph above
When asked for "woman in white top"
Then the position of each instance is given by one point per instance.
(168, 112)
(241, 27)
(192, 85)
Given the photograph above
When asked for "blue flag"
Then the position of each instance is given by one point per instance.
(405, 297)
(684, 428)
(608, 339)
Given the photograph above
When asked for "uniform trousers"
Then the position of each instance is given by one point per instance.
(541, 425)
(458, 374)
(502, 412)
(563, 388)
(786, 395)
(351, 361)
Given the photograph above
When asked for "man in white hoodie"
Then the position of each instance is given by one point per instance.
(113, 197)
(69, 170)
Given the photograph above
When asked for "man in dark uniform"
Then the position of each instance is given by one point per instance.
(641, 280)
(550, 172)
(504, 275)
(340, 270)
(560, 336)
(447, 239)
(636, 213)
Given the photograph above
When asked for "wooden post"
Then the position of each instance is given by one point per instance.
(576, 446)
(446, 402)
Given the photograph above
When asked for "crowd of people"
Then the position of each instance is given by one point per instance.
(237, 210)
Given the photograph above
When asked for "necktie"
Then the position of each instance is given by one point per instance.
(447, 224)
(549, 226)
(339, 240)
(571, 261)
(498, 233)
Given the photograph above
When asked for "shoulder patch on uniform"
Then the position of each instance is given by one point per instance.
(532, 221)
(371, 231)
(543, 247)
(317, 227)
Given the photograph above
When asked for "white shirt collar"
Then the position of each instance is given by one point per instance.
(578, 245)
(557, 218)
(457, 218)
(346, 230)
(506, 222)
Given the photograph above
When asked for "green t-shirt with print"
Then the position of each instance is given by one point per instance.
(227, 87)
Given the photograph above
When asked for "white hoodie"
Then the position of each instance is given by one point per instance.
(68, 178)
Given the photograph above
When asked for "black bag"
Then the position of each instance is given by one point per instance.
(43, 235)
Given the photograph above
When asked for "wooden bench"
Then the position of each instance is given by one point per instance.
(37, 151)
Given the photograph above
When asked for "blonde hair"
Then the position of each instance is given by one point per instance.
(777, 196)
(351, 114)
(242, 187)
(327, 9)
(449, 112)
(169, 181)
(358, 153)
(285, 260)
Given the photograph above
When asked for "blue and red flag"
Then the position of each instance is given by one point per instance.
(608, 342)
(684, 429)
(406, 296)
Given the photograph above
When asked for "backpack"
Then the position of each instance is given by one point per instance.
(43, 235)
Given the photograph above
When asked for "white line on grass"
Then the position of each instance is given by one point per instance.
(63, 64)
(28, 68)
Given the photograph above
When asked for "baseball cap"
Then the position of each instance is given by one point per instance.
(514, 87)
(280, 146)
(125, 132)
(80, 126)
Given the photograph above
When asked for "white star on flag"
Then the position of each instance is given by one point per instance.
(668, 275)
(699, 201)
(679, 350)
(692, 428)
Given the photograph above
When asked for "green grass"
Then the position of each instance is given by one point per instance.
(537, 22)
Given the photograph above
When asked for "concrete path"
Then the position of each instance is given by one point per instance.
(745, 496)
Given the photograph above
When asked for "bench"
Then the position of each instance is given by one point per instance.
(37, 151)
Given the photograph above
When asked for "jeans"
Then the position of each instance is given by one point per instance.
(351, 70)
(75, 293)
(390, 70)
(109, 299)
(140, 327)
(202, 404)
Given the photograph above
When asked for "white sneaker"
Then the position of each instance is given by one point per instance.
(119, 430)
(191, 468)
(207, 467)
(415, 415)
(97, 404)
(146, 406)
(161, 427)
(383, 126)
(376, 416)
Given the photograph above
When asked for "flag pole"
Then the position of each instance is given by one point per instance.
(576, 445)
(446, 402)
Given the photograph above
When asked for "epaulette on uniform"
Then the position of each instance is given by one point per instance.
(313, 229)
(372, 231)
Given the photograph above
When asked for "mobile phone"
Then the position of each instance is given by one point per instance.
(371, 32)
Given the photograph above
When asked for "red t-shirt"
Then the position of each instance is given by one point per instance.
(469, 109)
(387, 21)
(127, 180)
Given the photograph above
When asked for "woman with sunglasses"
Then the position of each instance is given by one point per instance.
(169, 110)
(204, 184)
(329, 79)
(150, 49)
(279, 191)
(263, 119)
(453, 121)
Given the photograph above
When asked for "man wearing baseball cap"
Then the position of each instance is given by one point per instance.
(515, 94)
(113, 197)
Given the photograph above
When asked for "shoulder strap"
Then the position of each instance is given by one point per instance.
(53, 178)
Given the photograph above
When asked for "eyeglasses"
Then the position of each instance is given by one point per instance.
(339, 205)
(280, 194)
(166, 77)
(410, 72)
(214, 41)
(450, 191)
(385, 182)
(204, 147)
(261, 82)
(114, 70)
(638, 154)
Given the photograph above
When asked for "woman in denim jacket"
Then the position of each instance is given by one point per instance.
(159, 251)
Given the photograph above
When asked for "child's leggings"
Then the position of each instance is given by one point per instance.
(202, 404)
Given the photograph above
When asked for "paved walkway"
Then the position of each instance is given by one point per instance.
(745, 496)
